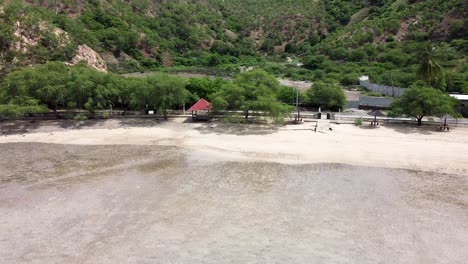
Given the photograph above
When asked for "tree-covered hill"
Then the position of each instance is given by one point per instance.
(337, 40)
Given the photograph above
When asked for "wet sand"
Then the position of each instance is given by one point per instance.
(161, 203)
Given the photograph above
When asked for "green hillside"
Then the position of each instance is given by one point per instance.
(386, 44)
(336, 40)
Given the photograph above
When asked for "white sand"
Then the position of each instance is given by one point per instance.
(391, 147)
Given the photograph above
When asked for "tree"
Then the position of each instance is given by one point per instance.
(164, 92)
(230, 96)
(288, 95)
(256, 86)
(16, 87)
(314, 62)
(202, 87)
(252, 91)
(419, 101)
(429, 69)
(328, 96)
(129, 88)
(57, 85)
(257, 80)
(91, 90)
(52, 89)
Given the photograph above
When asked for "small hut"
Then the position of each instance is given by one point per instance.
(201, 110)
(376, 113)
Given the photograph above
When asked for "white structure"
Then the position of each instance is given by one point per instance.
(461, 97)
(364, 78)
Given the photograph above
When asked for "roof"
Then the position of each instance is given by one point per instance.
(376, 113)
(461, 97)
(201, 105)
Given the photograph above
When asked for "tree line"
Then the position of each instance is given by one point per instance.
(54, 86)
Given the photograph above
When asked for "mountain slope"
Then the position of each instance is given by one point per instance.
(346, 37)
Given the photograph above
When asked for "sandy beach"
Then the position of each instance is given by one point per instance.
(133, 191)
(405, 147)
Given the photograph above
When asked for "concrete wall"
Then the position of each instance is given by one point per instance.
(383, 89)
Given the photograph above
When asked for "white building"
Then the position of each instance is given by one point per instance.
(463, 98)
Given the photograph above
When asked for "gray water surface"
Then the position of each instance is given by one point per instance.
(153, 204)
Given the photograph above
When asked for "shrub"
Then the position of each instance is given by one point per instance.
(15, 111)
(80, 117)
(358, 122)
(105, 115)
(349, 79)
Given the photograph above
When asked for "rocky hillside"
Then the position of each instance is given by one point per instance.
(129, 35)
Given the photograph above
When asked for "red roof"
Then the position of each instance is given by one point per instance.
(201, 105)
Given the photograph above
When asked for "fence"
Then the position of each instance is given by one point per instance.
(372, 102)
(383, 89)
(121, 114)
(352, 104)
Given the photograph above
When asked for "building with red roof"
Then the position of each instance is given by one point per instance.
(201, 105)
(201, 110)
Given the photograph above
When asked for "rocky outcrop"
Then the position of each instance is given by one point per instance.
(231, 34)
(404, 28)
(91, 57)
(62, 37)
(25, 37)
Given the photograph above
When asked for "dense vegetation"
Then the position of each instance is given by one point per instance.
(335, 41)
(57, 86)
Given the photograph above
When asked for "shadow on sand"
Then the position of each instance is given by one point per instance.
(413, 129)
(236, 129)
(13, 127)
(144, 122)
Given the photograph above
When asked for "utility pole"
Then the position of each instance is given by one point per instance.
(295, 86)
(297, 102)
(393, 87)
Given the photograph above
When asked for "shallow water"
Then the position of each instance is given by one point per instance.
(153, 204)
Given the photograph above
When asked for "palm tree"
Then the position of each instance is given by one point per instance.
(429, 70)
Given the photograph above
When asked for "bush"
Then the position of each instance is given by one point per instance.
(15, 111)
(80, 117)
(358, 122)
(105, 115)
(349, 79)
